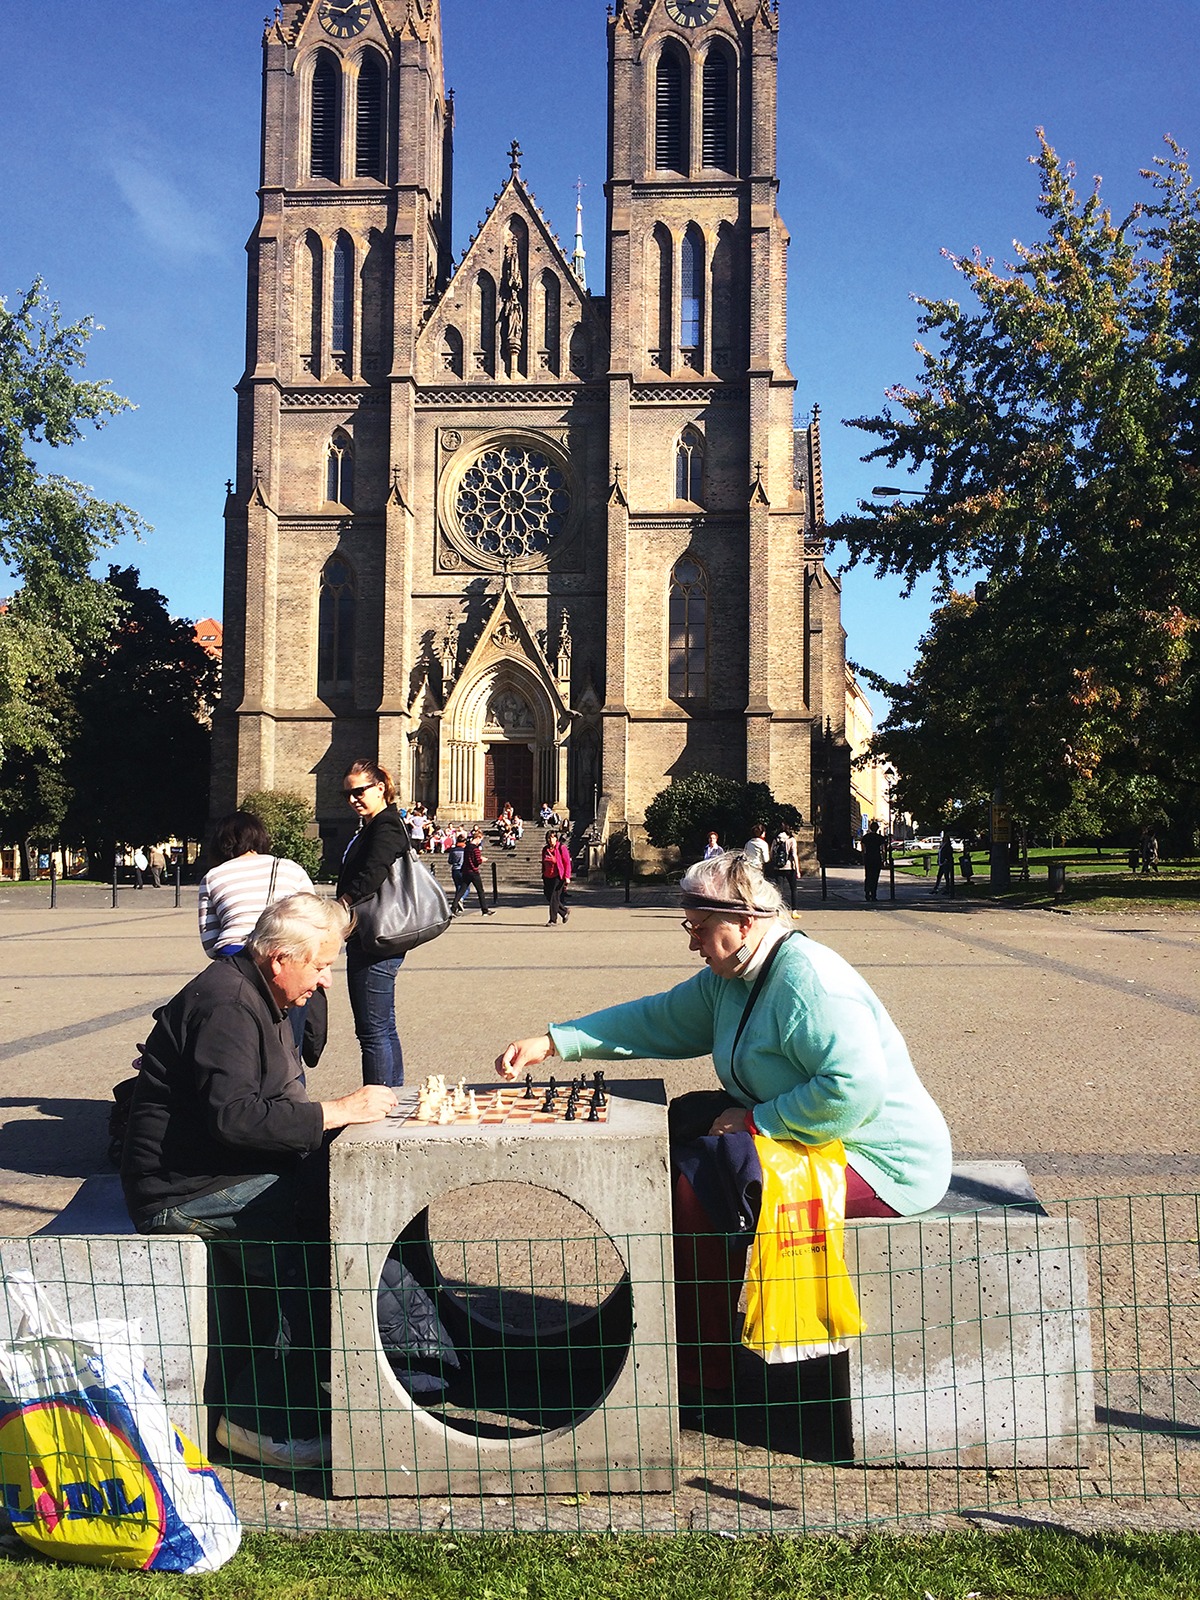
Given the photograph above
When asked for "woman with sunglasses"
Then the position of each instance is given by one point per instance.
(804, 1051)
(381, 838)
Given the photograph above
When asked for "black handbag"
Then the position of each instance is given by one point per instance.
(408, 909)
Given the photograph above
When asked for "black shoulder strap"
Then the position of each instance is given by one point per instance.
(763, 975)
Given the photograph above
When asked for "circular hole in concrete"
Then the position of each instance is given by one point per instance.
(505, 1310)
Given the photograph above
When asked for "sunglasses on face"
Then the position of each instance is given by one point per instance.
(357, 794)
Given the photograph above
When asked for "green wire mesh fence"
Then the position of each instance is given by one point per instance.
(1016, 1362)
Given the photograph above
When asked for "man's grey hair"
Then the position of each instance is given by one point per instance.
(730, 882)
(297, 926)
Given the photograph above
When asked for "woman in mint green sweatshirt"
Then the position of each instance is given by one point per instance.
(803, 1050)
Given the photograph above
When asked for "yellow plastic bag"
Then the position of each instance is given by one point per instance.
(800, 1300)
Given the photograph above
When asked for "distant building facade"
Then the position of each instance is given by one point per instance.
(519, 541)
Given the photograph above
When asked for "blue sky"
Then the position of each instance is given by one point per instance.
(130, 133)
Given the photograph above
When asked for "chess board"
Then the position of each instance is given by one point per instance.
(511, 1103)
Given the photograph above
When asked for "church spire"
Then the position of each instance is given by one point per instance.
(579, 259)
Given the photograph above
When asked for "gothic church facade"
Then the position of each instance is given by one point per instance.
(521, 541)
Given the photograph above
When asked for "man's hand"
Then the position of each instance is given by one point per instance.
(371, 1103)
(523, 1054)
(731, 1121)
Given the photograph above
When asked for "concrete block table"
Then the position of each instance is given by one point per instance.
(978, 1343)
(382, 1178)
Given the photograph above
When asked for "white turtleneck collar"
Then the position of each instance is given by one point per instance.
(774, 934)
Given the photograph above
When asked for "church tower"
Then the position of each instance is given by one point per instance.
(518, 540)
(714, 505)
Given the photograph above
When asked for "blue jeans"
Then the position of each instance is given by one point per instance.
(372, 987)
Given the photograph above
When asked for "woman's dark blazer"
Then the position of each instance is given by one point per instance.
(371, 853)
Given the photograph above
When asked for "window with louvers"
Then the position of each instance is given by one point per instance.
(368, 146)
(325, 126)
(716, 110)
(668, 115)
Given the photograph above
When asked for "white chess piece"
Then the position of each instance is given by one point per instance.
(446, 1111)
(472, 1104)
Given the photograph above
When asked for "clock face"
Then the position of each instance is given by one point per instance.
(344, 18)
(691, 13)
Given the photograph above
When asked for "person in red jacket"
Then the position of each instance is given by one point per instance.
(556, 875)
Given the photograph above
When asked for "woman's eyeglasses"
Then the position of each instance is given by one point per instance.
(357, 794)
(693, 928)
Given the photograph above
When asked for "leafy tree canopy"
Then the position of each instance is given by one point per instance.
(690, 807)
(51, 529)
(1056, 424)
(287, 818)
(137, 764)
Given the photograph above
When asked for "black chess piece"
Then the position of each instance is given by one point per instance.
(552, 1086)
(599, 1097)
(569, 1113)
(593, 1113)
(528, 1095)
(548, 1103)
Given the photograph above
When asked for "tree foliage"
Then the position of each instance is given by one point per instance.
(690, 807)
(288, 819)
(1056, 423)
(137, 762)
(51, 529)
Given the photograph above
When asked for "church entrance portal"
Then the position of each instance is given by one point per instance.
(508, 775)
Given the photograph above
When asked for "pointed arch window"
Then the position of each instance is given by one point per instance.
(691, 272)
(662, 261)
(715, 121)
(325, 123)
(687, 635)
(335, 628)
(689, 466)
(670, 107)
(551, 321)
(368, 125)
(339, 470)
(312, 270)
(343, 295)
(485, 321)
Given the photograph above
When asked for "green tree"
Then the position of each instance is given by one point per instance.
(51, 529)
(690, 807)
(290, 821)
(137, 763)
(1056, 424)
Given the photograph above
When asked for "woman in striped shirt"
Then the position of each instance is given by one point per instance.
(243, 881)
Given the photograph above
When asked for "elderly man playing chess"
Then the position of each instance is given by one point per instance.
(224, 1141)
(804, 1051)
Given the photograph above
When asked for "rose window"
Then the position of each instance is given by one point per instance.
(512, 502)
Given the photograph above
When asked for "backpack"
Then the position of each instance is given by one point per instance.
(780, 855)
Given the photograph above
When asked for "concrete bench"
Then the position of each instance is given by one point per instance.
(978, 1344)
(94, 1265)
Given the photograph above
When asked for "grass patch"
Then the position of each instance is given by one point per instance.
(1042, 1564)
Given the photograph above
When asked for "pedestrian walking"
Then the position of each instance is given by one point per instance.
(556, 875)
(470, 875)
(783, 867)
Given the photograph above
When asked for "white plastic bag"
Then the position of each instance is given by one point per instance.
(92, 1469)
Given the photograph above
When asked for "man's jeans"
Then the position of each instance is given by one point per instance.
(270, 1281)
(372, 986)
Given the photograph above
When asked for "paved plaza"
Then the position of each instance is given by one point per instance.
(1069, 1042)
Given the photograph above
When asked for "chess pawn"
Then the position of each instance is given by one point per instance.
(445, 1111)
(460, 1095)
(472, 1104)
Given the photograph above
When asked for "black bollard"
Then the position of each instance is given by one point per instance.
(495, 886)
(114, 883)
(628, 880)
(177, 885)
(891, 874)
(824, 883)
(53, 883)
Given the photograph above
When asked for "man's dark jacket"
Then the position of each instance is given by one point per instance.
(219, 1096)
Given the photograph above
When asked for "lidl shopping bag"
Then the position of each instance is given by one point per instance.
(800, 1300)
(91, 1467)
